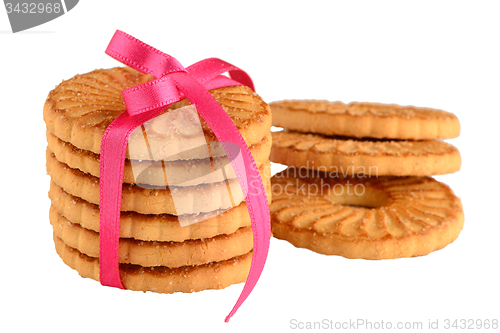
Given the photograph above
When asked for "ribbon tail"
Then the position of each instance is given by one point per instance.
(110, 193)
(258, 208)
(112, 159)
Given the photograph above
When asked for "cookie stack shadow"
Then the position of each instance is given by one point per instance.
(157, 252)
(359, 178)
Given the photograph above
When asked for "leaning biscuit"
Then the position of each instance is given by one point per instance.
(195, 199)
(364, 156)
(150, 227)
(366, 218)
(215, 275)
(360, 120)
(169, 254)
(80, 109)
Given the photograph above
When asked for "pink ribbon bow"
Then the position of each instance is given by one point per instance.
(173, 83)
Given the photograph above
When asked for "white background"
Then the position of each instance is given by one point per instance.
(441, 54)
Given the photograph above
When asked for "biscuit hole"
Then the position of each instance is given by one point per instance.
(357, 196)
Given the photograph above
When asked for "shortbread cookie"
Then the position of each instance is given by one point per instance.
(180, 173)
(365, 120)
(377, 218)
(169, 254)
(80, 109)
(215, 275)
(364, 156)
(164, 228)
(194, 199)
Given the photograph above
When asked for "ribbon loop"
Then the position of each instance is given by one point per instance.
(142, 57)
(207, 69)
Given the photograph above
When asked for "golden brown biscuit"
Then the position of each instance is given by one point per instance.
(215, 275)
(169, 254)
(366, 218)
(187, 173)
(164, 228)
(79, 109)
(195, 199)
(360, 120)
(364, 156)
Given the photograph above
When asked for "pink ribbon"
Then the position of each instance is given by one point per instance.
(173, 83)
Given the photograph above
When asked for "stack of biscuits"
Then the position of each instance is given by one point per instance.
(186, 232)
(359, 179)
